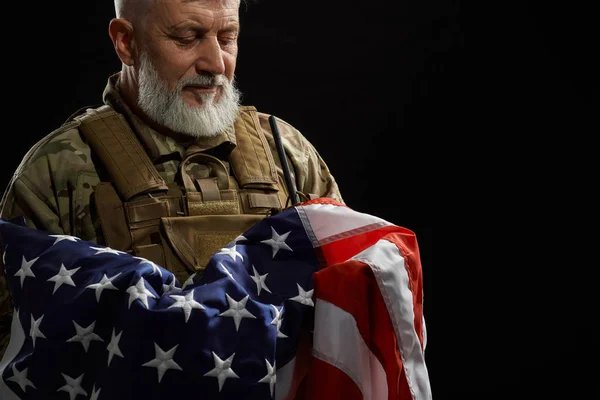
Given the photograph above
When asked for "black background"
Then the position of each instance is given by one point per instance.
(385, 93)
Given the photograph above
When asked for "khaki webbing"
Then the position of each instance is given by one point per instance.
(252, 162)
(127, 163)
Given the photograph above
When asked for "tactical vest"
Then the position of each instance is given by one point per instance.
(181, 224)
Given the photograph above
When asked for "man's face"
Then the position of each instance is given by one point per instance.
(188, 55)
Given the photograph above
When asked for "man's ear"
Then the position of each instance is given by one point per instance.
(121, 34)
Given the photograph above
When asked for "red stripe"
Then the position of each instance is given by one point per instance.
(344, 249)
(327, 382)
(409, 248)
(352, 287)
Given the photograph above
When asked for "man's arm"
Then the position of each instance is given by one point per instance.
(20, 200)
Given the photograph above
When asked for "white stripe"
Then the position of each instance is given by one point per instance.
(329, 222)
(391, 275)
(424, 334)
(283, 384)
(338, 342)
(17, 338)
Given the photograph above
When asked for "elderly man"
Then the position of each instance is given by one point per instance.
(171, 168)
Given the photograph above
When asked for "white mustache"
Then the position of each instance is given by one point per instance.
(203, 80)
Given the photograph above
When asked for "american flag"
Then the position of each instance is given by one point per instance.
(316, 302)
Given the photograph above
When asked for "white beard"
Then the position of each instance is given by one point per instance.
(167, 107)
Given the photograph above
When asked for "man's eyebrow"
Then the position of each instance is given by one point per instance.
(231, 27)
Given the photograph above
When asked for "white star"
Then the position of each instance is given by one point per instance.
(231, 252)
(85, 335)
(187, 303)
(277, 322)
(163, 361)
(260, 281)
(277, 241)
(34, 331)
(95, 394)
(304, 297)
(139, 291)
(237, 239)
(271, 377)
(63, 276)
(222, 370)
(113, 346)
(105, 283)
(102, 250)
(21, 378)
(227, 272)
(25, 269)
(155, 268)
(189, 281)
(171, 287)
(237, 310)
(60, 238)
(73, 386)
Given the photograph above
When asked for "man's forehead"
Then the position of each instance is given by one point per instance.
(226, 3)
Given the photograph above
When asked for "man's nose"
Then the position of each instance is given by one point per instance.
(210, 57)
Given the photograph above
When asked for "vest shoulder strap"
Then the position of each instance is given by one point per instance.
(252, 158)
(110, 137)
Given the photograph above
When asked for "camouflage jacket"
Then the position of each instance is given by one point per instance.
(52, 186)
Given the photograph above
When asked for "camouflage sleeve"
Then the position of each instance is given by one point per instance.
(44, 191)
(311, 173)
(316, 177)
(20, 200)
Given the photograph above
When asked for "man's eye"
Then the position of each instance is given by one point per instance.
(186, 40)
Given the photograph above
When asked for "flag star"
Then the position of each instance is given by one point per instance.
(163, 361)
(20, 377)
(34, 331)
(25, 269)
(260, 281)
(139, 291)
(187, 303)
(271, 377)
(189, 281)
(113, 346)
(102, 250)
(85, 335)
(95, 393)
(277, 242)
(73, 386)
(222, 369)
(155, 268)
(224, 269)
(237, 239)
(60, 238)
(105, 283)
(277, 322)
(171, 287)
(304, 297)
(231, 252)
(237, 310)
(63, 276)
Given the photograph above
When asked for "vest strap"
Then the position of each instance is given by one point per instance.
(111, 138)
(251, 159)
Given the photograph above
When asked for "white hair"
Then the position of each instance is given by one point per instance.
(167, 107)
(138, 5)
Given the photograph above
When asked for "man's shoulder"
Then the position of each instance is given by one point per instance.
(62, 151)
(288, 132)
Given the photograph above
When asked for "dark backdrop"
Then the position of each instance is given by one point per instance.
(380, 88)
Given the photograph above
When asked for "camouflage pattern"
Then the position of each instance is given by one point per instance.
(53, 184)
